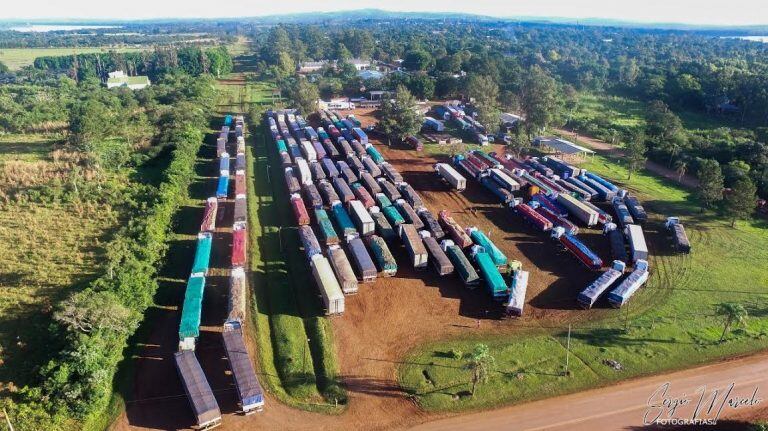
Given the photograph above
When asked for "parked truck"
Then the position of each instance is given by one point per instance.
(494, 282)
(222, 187)
(237, 303)
(409, 214)
(330, 291)
(504, 195)
(389, 189)
(497, 256)
(411, 196)
(239, 245)
(362, 218)
(299, 210)
(202, 258)
(437, 256)
(209, 215)
(456, 232)
(371, 166)
(413, 245)
(366, 269)
(575, 207)
(617, 242)
(325, 227)
(519, 286)
(679, 237)
(343, 221)
(291, 182)
(370, 183)
(451, 176)
(462, 266)
(343, 270)
(431, 223)
(382, 257)
(583, 253)
(637, 247)
(590, 295)
(362, 195)
(623, 217)
(199, 393)
(250, 396)
(343, 189)
(534, 218)
(621, 294)
(637, 210)
(383, 227)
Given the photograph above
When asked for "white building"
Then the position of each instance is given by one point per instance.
(118, 78)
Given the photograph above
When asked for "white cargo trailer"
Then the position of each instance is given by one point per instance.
(330, 291)
(452, 176)
(636, 239)
(304, 173)
(362, 218)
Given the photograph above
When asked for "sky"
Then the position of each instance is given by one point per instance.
(717, 12)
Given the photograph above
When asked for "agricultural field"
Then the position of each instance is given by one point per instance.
(51, 246)
(16, 58)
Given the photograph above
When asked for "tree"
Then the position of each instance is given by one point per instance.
(741, 201)
(399, 118)
(3, 67)
(304, 95)
(733, 313)
(681, 167)
(571, 100)
(417, 59)
(518, 142)
(485, 92)
(89, 311)
(479, 363)
(736, 170)
(635, 153)
(538, 98)
(422, 86)
(710, 182)
(665, 129)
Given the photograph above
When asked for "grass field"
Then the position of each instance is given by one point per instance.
(48, 249)
(295, 342)
(621, 113)
(16, 58)
(669, 324)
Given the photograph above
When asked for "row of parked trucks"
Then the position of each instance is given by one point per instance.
(250, 397)
(554, 196)
(360, 209)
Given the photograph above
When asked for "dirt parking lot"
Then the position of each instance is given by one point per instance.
(383, 321)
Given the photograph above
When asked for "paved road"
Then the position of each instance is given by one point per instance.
(623, 406)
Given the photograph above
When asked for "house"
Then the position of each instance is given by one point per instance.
(360, 64)
(312, 66)
(341, 103)
(120, 79)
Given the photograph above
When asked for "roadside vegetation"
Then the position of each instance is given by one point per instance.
(91, 179)
(16, 58)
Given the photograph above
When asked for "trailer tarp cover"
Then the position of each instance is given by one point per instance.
(198, 390)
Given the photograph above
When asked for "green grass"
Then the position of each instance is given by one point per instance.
(48, 249)
(669, 324)
(16, 58)
(618, 111)
(295, 343)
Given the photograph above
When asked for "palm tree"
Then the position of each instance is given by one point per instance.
(479, 362)
(733, 313)
(681, 167)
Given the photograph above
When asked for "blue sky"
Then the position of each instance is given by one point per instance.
(720, 12)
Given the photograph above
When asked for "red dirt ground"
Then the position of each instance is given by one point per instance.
(382, 322)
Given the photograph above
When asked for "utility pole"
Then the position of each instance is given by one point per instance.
(304, 361)
(568, 350)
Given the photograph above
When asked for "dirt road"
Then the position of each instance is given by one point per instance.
(609, 149)
(624, 406)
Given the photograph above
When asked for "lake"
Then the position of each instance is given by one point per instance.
(44, 28)
(763, 39)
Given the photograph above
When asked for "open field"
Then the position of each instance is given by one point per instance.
(16, 58)
(49, 249)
